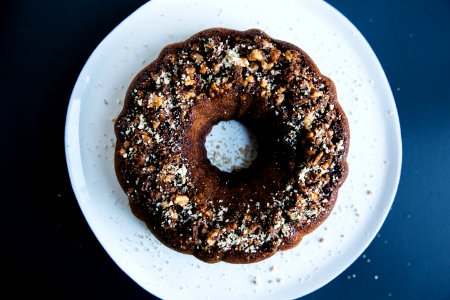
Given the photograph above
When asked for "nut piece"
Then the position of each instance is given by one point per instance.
(189, 81)
(248, 79)
(169, 178)
(145, 138)
(317, 159)
(263, 83)
(255, 55)
(281, 90)
(181, 200)
(216, 69)
(325, 165)
(155, 101)
(291, 55)
(244, 62)
(188, 95)
(310, 152)
(173, 214)
(197, 57)
(266, 44)
(316, 94)
(330, 134)
(231, 226)
(279, 99)
(212, 237)
(190, 71)
(266, 66)
(214, 87)
(293, 215)
(203, 69)
(254, 67)
(252, 228)
(307, 121)
(155, 124)
(203, 230)
(208, 214)
(165, 204)
(313, 196)
(275, 54)
(228, 86)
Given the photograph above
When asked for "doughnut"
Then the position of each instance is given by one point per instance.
(274, 89)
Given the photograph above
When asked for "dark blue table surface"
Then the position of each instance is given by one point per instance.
(47, 245)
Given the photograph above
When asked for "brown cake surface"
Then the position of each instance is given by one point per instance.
(274, 89)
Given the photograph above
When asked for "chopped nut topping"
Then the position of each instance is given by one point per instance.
(155, 124)
(216, 68)
(156, 101)
(318, 158)
(231, 226)
(181, 200)
(316, 94)
(173, 215)
(188, 95)
(266, 66)
(244, 62)
(248, 79)
(169, 178)
(198, 58)
(165, 204)
(279, 99)
(266, 44)
(281, 90)
(214, 87)
(289, 55)
(145, 138)
(293, 215)
(208, 214)
(189, 81)
(310, 152)
(307, 121)
(255, 55)
(263, 83)
(254, 67)
(212, 237)
(203, 69)
(325, 165)
(275, 54)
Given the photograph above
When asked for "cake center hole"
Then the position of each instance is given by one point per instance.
(231, 146)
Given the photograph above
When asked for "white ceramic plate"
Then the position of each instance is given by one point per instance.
(341, 53)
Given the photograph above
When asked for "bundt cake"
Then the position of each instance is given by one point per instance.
(275, 90)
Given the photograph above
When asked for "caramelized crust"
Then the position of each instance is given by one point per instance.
(270, 86)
